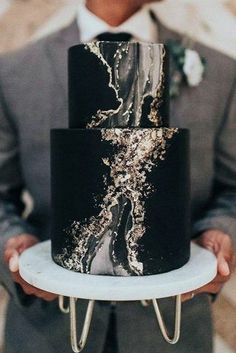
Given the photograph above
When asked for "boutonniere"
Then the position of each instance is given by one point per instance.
(187, 67)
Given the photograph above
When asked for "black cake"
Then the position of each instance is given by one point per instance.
(120, 174)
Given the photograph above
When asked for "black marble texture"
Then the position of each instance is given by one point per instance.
(104, 223)
(118, 85)
(119, 174)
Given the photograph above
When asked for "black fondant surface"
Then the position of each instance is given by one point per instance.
(79, 188)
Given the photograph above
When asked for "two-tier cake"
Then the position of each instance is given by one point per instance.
(120, 174)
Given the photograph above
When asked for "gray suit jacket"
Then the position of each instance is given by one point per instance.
(33, 99)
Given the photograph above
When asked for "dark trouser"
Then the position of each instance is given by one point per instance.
(133, 335)
(42, 328)
(111, 343)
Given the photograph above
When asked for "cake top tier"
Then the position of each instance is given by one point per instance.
(118, 84)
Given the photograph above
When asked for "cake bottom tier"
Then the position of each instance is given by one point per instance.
(120, 200)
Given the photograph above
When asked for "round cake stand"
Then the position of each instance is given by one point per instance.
(38, 269)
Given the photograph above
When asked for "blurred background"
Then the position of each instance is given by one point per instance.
(212, 22)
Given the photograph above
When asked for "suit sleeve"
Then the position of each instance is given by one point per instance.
(221, 212)
(11, 187)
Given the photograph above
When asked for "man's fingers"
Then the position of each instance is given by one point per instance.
(15, 242)
(31, 290)
(16, 245)
(9, 252)
(21, 242)
(18, 279)
(221, 279)
(187, 296)
(47, 296)
(225, 257)
(212, 288)
(28, 288)
(221, 245)
(13, 248)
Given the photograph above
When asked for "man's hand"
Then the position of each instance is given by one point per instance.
(221, 245)
(13, 248)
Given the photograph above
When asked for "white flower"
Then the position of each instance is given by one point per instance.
(193, 67)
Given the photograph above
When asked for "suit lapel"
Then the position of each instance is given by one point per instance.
(181, 106)
(57, 49)
(166, 34)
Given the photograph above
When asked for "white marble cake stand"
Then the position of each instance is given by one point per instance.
(38, 269)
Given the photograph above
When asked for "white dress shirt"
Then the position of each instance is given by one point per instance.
(141, 25)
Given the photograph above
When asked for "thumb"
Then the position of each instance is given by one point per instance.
(9, 253)
(14, 261)
(224, 254)
(223, 266)
(17, 244)
(221, 245)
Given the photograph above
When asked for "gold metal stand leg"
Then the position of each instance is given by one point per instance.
(73, 325)
(61, 304)
(177, 320)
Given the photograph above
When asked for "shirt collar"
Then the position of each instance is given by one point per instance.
(141, 25)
